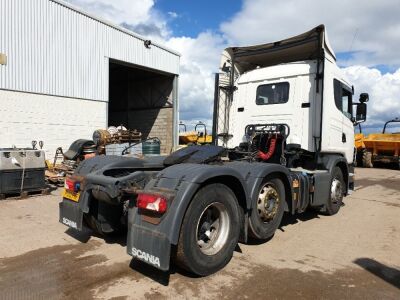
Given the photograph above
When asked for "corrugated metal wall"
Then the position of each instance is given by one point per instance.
(55, 50)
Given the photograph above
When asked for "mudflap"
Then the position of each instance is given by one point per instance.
(149, 246)
(70, 214)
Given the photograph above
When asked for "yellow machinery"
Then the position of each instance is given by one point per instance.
(359, 141)
(360, 148)
(381, 147)
(198, 136)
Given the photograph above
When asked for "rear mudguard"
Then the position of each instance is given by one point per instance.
(107, 187)
(151, 242)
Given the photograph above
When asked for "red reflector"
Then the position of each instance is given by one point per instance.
(152, 202)
(72, 185)
(69, 184)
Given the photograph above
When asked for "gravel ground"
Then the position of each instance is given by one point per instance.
(353, 255)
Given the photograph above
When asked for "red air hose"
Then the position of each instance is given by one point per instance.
(271, 150)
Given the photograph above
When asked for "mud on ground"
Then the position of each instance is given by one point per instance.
(353, 255)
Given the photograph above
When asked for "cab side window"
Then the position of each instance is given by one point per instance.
(343, 98)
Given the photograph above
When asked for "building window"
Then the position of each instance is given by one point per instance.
(275, 93)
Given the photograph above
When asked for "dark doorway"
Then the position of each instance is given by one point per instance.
(141, 99)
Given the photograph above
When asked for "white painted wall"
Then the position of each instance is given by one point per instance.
(57, 121)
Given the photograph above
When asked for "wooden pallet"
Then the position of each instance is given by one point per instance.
(25, 194)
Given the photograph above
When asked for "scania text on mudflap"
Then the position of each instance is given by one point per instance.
(283, 142)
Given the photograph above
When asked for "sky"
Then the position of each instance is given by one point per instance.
(365, 36)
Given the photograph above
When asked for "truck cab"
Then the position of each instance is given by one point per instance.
(296, 82)
(286, 93)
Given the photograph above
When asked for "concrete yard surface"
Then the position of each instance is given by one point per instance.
(353, 255)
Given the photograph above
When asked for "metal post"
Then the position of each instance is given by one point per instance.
(216, 111)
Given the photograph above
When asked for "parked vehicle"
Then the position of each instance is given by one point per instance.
(198, 136)
(383, 147)
(283, 142)
(362, 157)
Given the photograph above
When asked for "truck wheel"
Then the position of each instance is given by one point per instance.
(359, 158)
(210, 230)
(367, 159)
(268, 209)
(336, 195)
(93, 224)
(111, 222)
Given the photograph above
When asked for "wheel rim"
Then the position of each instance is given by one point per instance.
(213, 228)
(336, 191)
(268, 203)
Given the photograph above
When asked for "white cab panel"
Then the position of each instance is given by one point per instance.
(300, 77)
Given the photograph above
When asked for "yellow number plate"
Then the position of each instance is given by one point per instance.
(70, 195)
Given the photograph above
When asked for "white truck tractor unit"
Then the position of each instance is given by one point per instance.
(283, 142)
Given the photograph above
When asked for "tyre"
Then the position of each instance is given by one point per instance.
(268, 209)
(104, 219)
(210, 231)
(94, 224)
(336, 194)
(367, 159)
(359, 158)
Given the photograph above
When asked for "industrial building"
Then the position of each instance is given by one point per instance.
(65, 73)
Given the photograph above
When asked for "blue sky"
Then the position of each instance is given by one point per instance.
(365, 36)
(195, 17)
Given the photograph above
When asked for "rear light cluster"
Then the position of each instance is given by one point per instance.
(72, 185)
(152, 202)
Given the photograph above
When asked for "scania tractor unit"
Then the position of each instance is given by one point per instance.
(283, 142)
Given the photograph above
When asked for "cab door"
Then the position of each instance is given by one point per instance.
(348, 126)
(344, 102)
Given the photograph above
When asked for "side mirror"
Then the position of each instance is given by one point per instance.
(364, 97)
(361, 114)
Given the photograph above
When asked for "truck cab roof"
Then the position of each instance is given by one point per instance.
(286, 70)
(306, 46)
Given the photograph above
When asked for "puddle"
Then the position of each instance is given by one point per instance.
(58, 272)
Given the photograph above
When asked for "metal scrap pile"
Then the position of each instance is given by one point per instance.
(115, 135)
(109, 142)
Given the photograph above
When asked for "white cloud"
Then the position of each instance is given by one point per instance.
(199, 63)
(173, 14)
(383, 89)
(136, 15)
(374, 22)
(121, 11)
